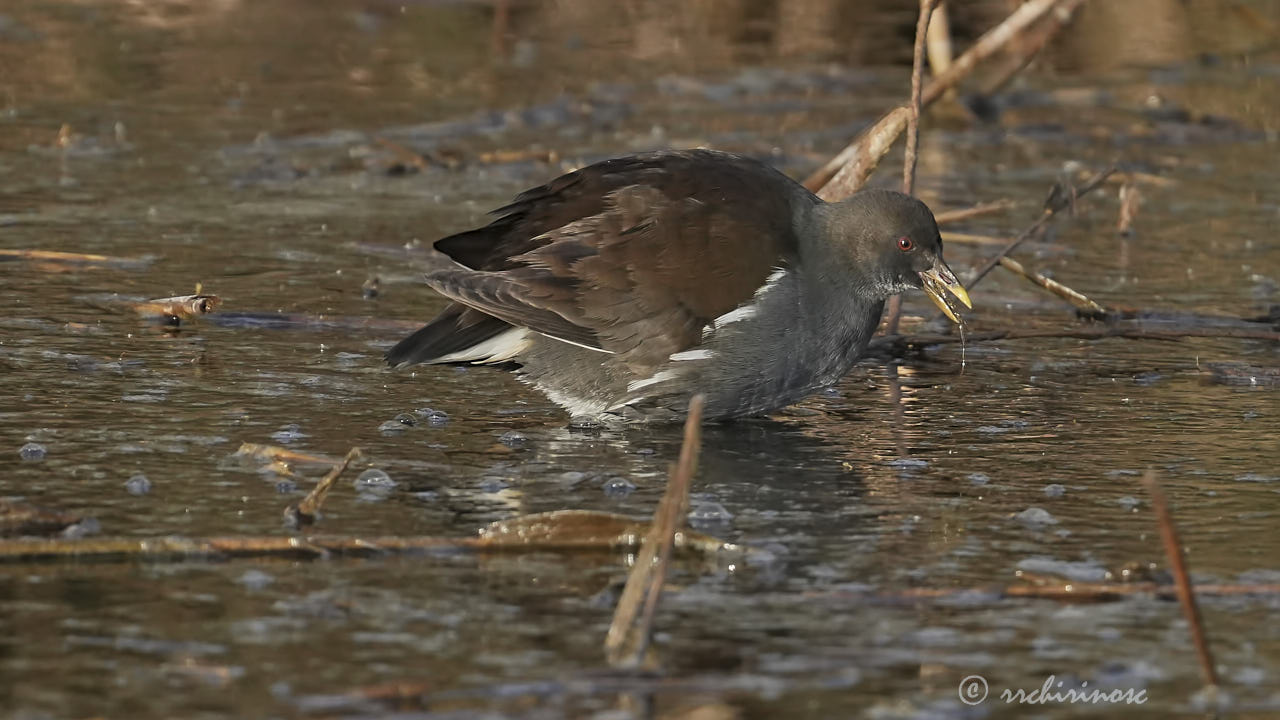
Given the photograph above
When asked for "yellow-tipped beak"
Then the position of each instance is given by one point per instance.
(939, 278)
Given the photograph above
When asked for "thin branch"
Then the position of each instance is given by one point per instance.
(1076, 298)
(1181, 578)
(894, 313)
(308, 510)
(1053, 206)
(917, 88)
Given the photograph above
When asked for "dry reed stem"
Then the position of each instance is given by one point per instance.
(951, 216)
(632, 626)
(1181, 578)
(938, 40)
(847, 172)
(1037, 41)
(866, 158)
(971, 239)
(1130, 199)
(987, 45)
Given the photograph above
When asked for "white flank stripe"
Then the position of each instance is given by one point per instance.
(659, 377)
(499, 348)
(774, 278)
(692, 355)
(733, 316)
(747, 310)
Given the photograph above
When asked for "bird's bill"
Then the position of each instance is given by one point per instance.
(939, 278)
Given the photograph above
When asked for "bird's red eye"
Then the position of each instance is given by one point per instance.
(905, 244)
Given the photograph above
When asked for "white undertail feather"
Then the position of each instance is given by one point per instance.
(499, 348)
(575, 406)
(700, 354)
(635, 385)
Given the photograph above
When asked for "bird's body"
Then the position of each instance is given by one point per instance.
(623, 288)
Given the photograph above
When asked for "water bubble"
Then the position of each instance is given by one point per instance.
(255, 579)
(979, 478)
(909, 463)
(32, 451)
(137, 485)
(288, 433)
(1035, 517)
(572, 477)
(618, 487)
(511, 438)
(374, 481)
(708, 512)
(398, 424)
(434, 418)
(1055, 490)
(585, 422)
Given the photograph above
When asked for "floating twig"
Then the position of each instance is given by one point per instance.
(897, 345)
(275, 453)
(18, 518)
(1181, 578)
(175, 310)
(632, 626)
(1063, 590)
(574, 531)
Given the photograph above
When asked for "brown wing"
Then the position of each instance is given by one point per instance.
(631, 256)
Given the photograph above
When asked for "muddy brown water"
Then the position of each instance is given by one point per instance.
(234, 145)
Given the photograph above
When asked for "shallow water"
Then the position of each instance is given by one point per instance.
(235, 146)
